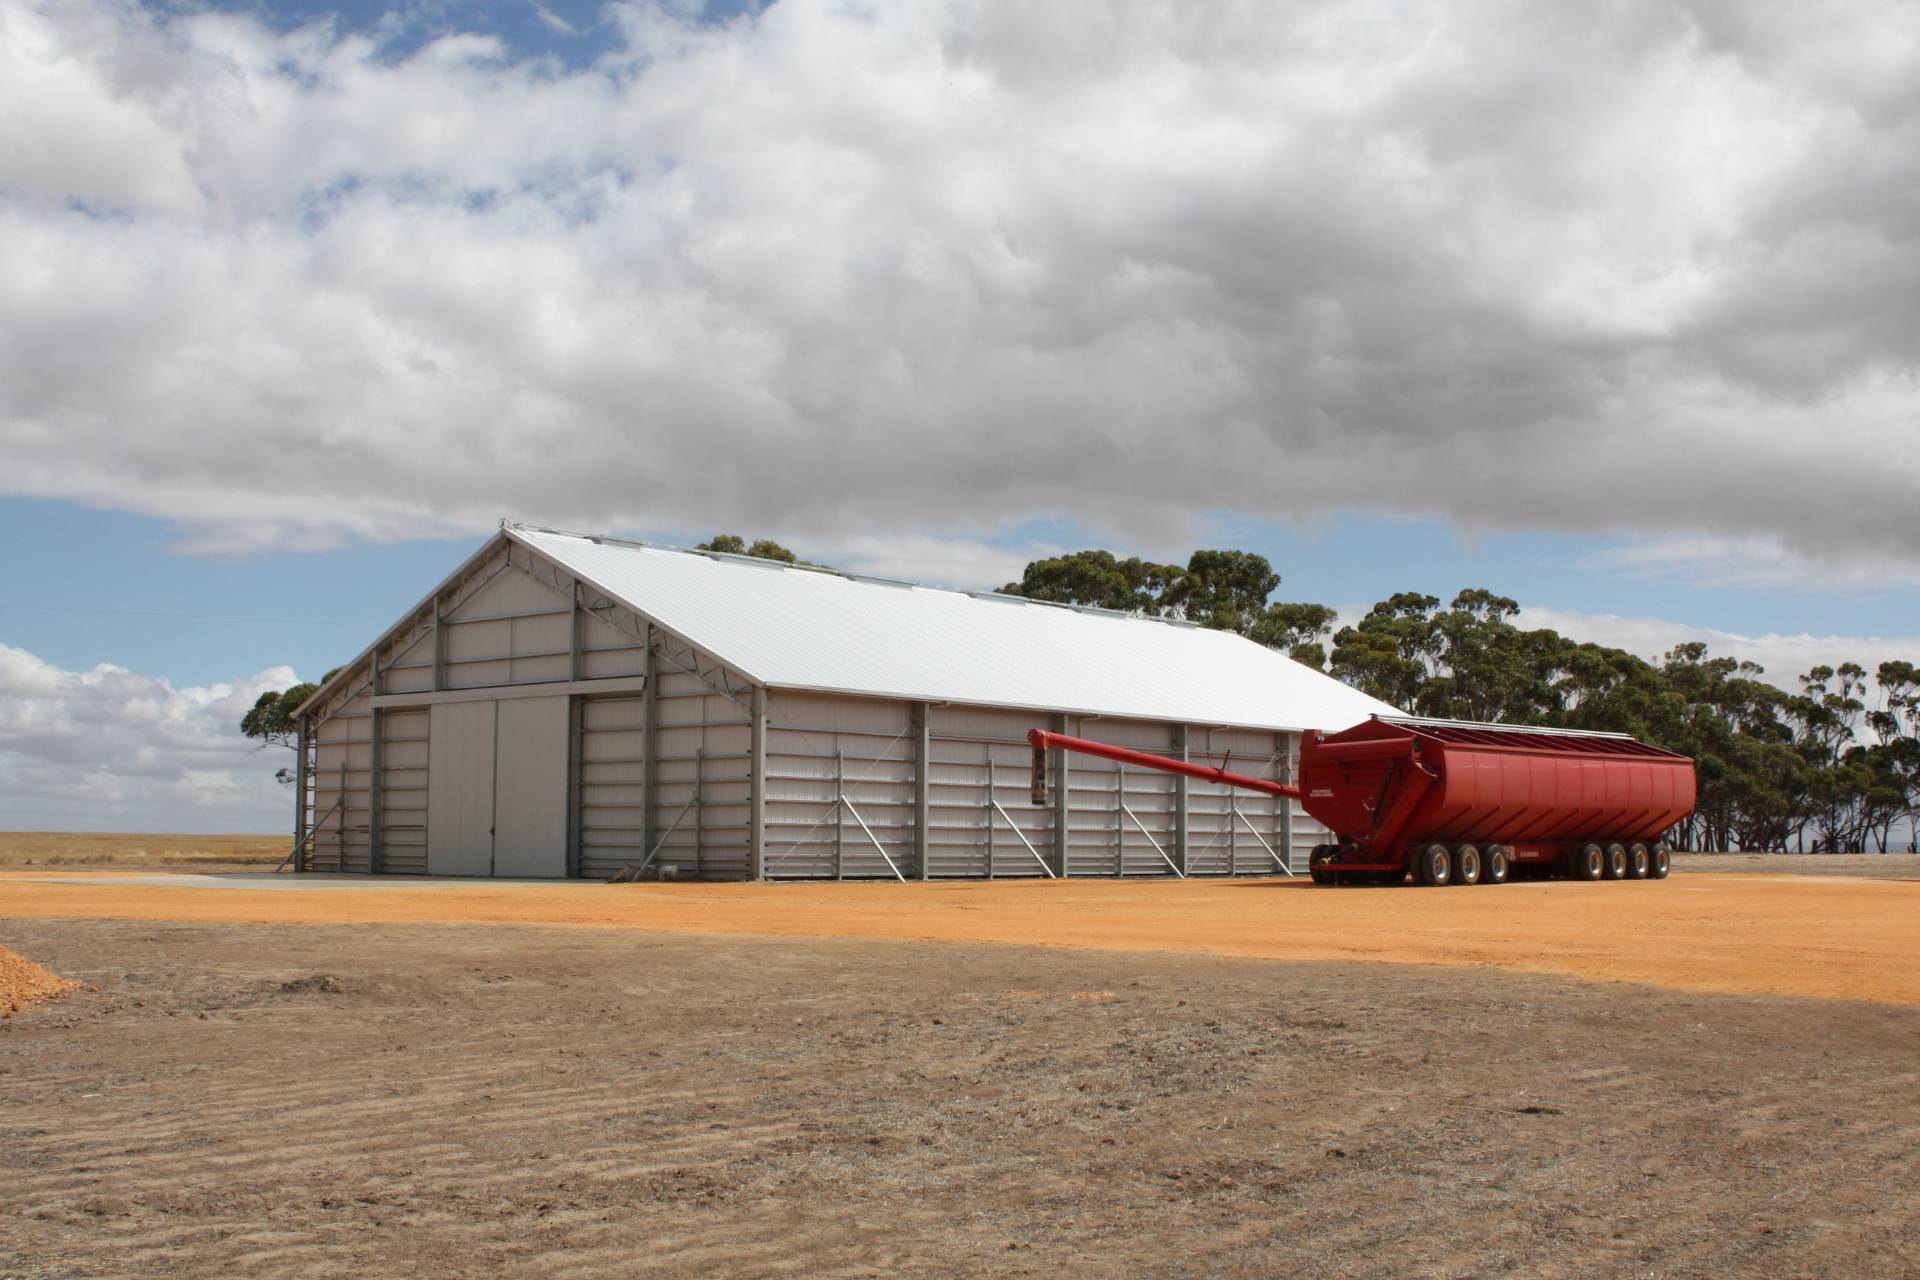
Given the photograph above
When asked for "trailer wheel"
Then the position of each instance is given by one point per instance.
(1662, 862)
(1639, 861)
(1466, 865)
(1616, 862)
(1319, 863)
(1434, 866)
(1494, 867)
(1589, 862)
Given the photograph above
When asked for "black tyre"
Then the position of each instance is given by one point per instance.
(1662, 862)
(1589, 862)
(1434, 866)
(1466, 865)
(1639, 861)
(1319, 863)
(1616, 865)
(1495, 865)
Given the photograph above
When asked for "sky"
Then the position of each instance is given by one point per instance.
(1610, 309)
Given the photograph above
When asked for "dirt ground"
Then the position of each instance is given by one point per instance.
(1754, 934)
(92, 848)
(456, 1100)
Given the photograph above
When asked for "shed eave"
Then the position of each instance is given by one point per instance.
(1098, 713)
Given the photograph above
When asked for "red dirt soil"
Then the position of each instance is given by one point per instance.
(1828, 936)
(23, 983)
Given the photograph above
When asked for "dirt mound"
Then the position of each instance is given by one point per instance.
(325, 982)
(22, 982)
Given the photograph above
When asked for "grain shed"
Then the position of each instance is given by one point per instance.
(567, 705)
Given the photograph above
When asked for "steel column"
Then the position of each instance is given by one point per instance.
(987, 812)
(1233, 832)
(576, 749)
(575, 636)
(922, 721)
(1180, 803)
(1286, 803)
(649, 770)
(439, 648)
(375, 785)
(757, 795)
(302, 780)
(839, 813)
(1061, 808)
(340, 834)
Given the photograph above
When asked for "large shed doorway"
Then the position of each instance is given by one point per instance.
(497, 788)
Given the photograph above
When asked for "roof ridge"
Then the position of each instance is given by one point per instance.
(757, 562)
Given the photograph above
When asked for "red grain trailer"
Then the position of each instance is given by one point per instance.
(1451, 802)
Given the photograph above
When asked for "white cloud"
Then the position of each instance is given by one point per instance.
(955, 562)
(1758, 563)
(113, 750)
(938, 266)
(1784, 657)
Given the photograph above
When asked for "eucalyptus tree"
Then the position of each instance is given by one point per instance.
(1224, 590)
(271, 722)
(1100, 579)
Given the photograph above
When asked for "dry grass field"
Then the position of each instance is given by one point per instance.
(1715, 1075)
(93, 849)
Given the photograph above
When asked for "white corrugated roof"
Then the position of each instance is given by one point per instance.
(802, 629)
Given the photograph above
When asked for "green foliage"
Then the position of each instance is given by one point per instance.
(1100, 579)
(1296, 628)
(271, 718)
(1226, 590)
(1775, 768)
(760, 549)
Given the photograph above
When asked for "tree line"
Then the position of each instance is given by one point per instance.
(1831, 767)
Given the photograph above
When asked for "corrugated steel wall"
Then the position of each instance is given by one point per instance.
(858, 751)
(701, 780)
(342, 764)
(611, 784)
(840, 769)
(403, 792)
(1240, 832)
(981, 821)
